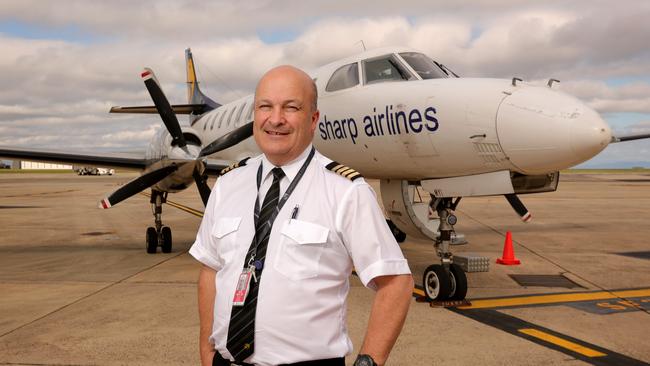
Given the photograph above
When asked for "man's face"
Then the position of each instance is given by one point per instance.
(284, 120)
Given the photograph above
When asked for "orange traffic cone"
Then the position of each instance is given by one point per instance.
(508, 252)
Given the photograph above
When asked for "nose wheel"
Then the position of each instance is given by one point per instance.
(440, 284)
(436, 282)
(159, 236)
(447, 280)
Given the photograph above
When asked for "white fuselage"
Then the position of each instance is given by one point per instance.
(443, 127)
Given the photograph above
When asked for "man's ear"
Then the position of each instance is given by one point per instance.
(314, 120)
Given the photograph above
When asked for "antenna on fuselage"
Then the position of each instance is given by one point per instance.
(362, 45)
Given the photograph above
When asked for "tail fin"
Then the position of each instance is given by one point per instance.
(194, 94)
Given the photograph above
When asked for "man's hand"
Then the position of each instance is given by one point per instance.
(389, 310)
(207, 293)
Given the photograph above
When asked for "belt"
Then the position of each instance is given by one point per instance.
(218, 360)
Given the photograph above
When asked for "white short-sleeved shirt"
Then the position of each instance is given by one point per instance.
(301, 308)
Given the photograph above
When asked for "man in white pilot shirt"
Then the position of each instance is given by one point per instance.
(328, 225)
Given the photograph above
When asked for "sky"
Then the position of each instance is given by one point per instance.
(63, 64)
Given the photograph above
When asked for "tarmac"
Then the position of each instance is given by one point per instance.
(77, 288)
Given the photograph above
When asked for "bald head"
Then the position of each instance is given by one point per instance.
(294, 75)
(286, 113)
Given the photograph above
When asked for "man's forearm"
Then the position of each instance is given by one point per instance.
(387, 316)
(207, 291)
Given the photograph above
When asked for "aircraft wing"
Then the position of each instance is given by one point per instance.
(112, 160)
(178, 109)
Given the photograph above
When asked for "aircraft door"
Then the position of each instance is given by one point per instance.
(480, 123)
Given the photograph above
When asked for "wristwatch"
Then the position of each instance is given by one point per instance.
(364, 360)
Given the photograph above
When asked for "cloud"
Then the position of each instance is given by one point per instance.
(131, 136)
(632, 97)
(61, 89)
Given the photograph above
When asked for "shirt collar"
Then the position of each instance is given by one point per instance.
(290, 169)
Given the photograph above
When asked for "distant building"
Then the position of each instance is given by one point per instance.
(37, 165)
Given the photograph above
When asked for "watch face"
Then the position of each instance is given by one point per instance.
(364, 360)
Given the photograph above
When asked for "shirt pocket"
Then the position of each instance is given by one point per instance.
(301, 246)
(225, 234)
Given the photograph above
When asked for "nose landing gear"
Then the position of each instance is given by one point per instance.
(447, 280)
(160, 236)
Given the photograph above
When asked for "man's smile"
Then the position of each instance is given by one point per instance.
(277, 133)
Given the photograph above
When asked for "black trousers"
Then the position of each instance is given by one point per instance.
(340, 361)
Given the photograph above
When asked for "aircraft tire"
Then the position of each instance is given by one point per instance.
(436, 283)
(458, 282)
(166, 233)
(152, 240)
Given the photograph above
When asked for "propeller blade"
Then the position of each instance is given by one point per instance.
(519, 207)
(202, 184)
(230, 139)
(164, 108)
(137, 185)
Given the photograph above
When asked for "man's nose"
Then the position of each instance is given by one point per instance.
(277, 115)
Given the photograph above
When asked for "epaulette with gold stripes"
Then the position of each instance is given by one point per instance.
(343, 170)
(233, 166)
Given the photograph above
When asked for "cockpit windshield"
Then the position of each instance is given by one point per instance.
(424, 66)
(385, 68)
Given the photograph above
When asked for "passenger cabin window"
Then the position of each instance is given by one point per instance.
(223, 115)
(344, 77)
(385, 68)
(250, 112)
(232, 111)
(238, 116)
(424, 66)
(214, 119)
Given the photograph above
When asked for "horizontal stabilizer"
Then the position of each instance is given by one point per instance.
(177, 108)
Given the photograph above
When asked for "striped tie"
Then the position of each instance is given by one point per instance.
(241, 330)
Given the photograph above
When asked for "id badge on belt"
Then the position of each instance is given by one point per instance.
(243, 286)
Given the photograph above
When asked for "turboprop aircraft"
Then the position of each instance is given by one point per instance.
(393, 114)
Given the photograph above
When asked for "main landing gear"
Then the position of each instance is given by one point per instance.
(447, 280)
(160, 235)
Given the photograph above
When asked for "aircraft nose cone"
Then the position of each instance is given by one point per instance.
(589, 134)
(542, 130)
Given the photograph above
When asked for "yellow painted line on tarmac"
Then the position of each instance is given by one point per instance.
(179, 206)
(554, 299)
(185, 208)
(562, 342)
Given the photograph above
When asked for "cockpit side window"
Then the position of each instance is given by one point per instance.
(385, 68)
(344, 77)
(424, 66)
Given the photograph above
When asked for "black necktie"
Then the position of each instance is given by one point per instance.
(241, 330)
